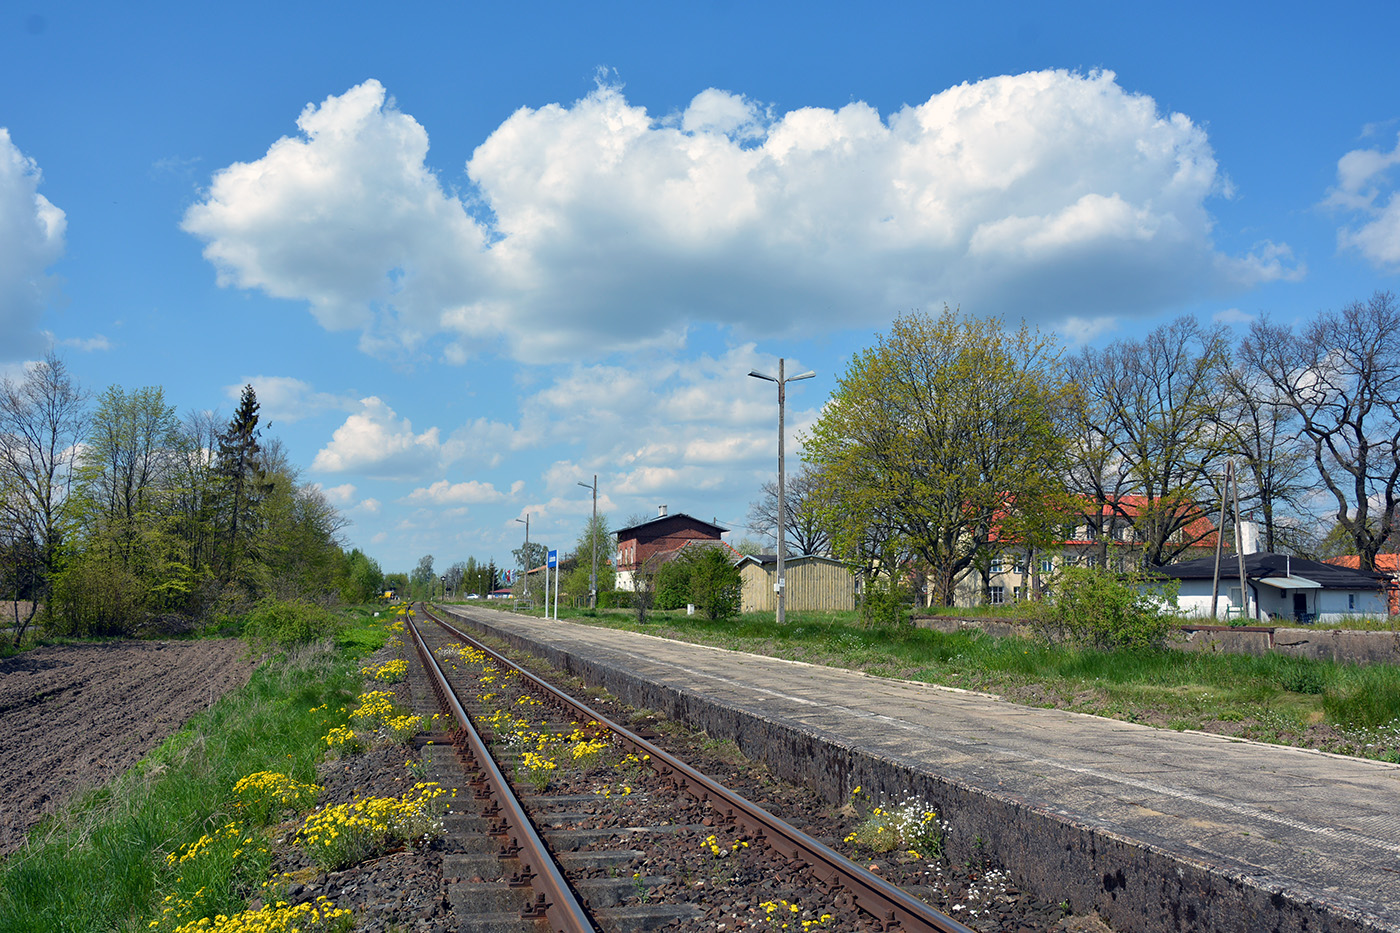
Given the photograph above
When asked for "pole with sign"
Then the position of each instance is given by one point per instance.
(552, 564)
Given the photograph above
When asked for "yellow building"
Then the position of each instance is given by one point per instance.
(820, 584)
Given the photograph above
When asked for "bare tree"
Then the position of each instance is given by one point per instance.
(42, 419)
(1152, 406)
(804, 526)
(1340, 377)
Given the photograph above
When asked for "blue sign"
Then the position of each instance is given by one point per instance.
(553, 559)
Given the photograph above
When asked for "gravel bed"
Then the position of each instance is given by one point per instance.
(737, 890)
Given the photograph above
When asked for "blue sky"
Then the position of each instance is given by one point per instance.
(470, 255)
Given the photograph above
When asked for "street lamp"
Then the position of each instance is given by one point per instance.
(593, 533)
(525, 554)
(782, 382)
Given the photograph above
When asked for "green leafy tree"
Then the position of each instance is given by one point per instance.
(363, 580)
(1094, 607)
(938, 438)
(421, 580)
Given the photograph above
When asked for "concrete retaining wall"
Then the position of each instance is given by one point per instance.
(1342, 645)
(1137, 886)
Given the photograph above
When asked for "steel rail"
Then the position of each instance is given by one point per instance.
(555, 901)
(891, 906)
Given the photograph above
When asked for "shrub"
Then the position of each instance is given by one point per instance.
(715, 584)
(285, 623)
(883, 603)
(673, 584)
(1094, 608)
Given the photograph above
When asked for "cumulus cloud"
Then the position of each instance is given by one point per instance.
(31, 240)
(283, 398)
(442, 493)
(596, 227)
(376, 442)
(1365, 189)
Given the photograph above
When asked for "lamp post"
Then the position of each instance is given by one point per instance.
(525, 554)
(782, 382)
(593, 534)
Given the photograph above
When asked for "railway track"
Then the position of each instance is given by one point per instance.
(624, 836)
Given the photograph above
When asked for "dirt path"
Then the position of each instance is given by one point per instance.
(73, 717)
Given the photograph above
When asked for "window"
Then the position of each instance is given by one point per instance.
(1020, 565)
(1351, 601)
(1047, 565)
(998, 595)
(1018, 594)
(996, 566)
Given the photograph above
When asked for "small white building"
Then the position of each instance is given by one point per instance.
(1278, 588)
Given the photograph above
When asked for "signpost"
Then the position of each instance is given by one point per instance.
(551, 564)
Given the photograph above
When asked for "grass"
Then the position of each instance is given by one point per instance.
(100, 863)
(1341, 708)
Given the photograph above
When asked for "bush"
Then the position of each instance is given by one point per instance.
(715, 584)
(883, 603)
(673, 584)
(285, 623)
(1095, 608)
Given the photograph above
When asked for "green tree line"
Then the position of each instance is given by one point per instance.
(955, 439)
(118, 516)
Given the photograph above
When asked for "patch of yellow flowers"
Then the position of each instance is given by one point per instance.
(784, 915)
(319, 917)
(342, 835)
(390, 672)
(912, 826)
(263, 796)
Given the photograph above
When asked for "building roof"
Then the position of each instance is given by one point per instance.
(763, 560)
(718, 529)
(1266, 566)
(1385, 563)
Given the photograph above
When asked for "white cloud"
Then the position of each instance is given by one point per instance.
(343, 494)
(31, 240)
(84, 344)
(1365, 189)
(442, 493)
(596, 227)
(375, 442)
(1232, 317)
(283, 398)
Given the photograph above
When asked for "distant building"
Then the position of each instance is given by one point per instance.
(1278, 588)
(650, 543)
(1388, 564)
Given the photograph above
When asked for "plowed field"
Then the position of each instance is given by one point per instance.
(73, 717)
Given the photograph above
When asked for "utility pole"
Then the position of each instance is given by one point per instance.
(593, 534)
(782, 381)
(525, 554)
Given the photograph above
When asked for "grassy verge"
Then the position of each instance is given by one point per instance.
(101, 863)
(1340, 708)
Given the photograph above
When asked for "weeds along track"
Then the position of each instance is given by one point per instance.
(582, 824)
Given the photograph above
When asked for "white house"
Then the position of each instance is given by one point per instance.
(1278, 588)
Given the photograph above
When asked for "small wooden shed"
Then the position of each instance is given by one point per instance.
(820, 584)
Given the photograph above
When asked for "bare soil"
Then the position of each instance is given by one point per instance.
(72, 717)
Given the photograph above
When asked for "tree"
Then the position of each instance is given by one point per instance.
(527, 558)
(1152, 422)
(42, 419)
(939, 429)
(805, 527)
(1340, 377)
(1258, 427)
(421, 580)
(594, 534)
(243, 483)
(130, 564)
(364, 580)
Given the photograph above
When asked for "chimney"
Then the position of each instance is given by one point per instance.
(661, 511)
(1249, 537)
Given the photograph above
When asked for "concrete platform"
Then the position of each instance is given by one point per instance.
(1156, 830)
